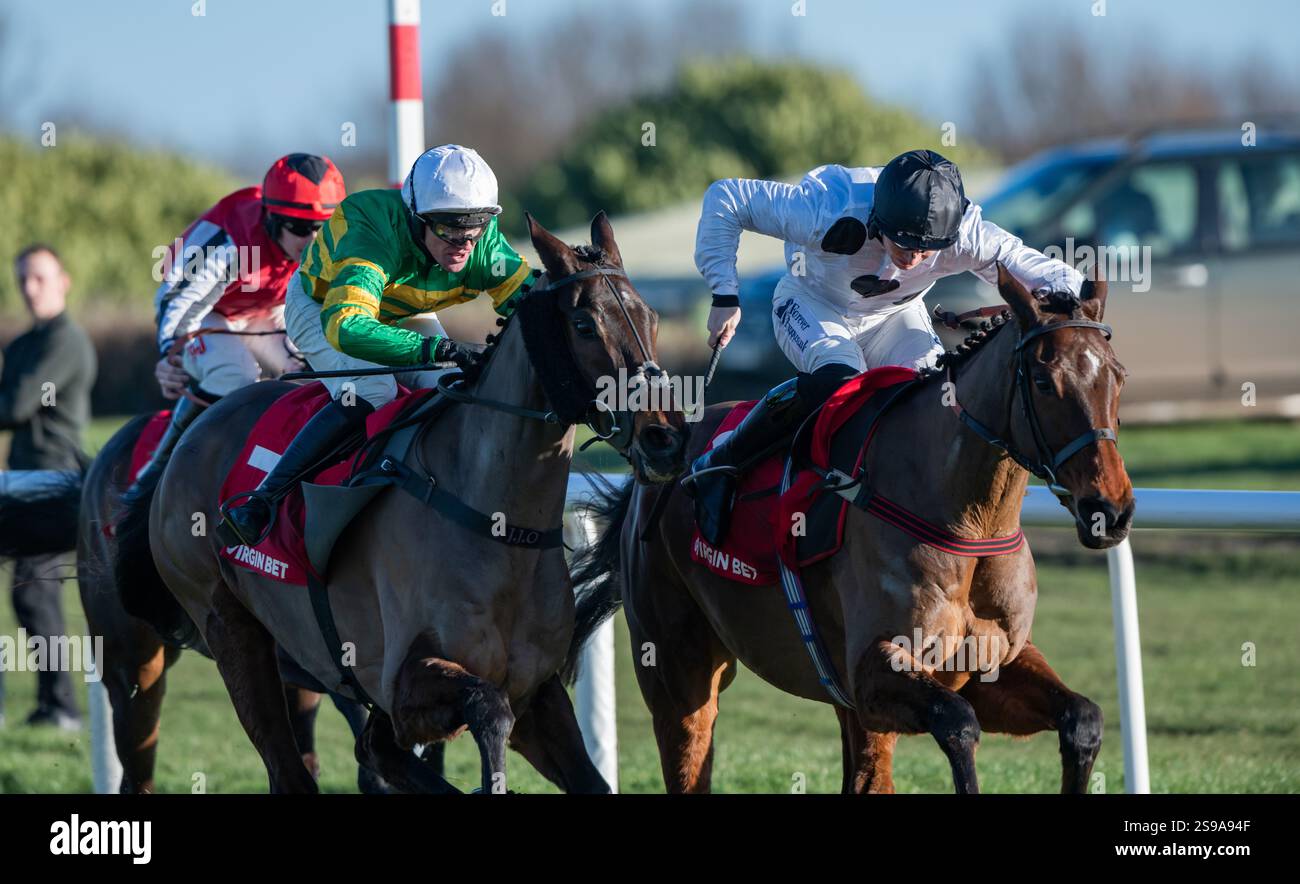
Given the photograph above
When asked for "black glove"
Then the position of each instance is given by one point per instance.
(447, 350)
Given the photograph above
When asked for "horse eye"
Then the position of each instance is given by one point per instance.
(1044, 383)
(584, 326)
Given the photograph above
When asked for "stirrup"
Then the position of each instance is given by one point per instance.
(229, 504)
(689, 478)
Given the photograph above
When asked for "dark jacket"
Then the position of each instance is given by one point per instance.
(47, 421)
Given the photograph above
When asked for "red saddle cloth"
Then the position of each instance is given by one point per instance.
(147, 441)
(150, 435)
(762, 519)
(282, 555)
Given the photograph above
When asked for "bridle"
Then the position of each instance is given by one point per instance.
(1047, 463)
(607, 425)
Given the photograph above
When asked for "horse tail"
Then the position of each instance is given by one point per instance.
(38, 511)
(595, 569)
(139, 585)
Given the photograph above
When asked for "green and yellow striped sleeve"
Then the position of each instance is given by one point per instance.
(355, 257)
(497, 270)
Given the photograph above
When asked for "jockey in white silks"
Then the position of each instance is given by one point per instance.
(862, 247)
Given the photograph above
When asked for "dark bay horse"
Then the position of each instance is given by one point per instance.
(1041, 379)
(136, 657)
(449, 628)
(72, 514)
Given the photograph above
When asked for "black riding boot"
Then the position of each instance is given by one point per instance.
(768, 427)
(248, 522)
(183, 415)
(770, 424)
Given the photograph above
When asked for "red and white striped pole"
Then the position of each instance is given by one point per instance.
(406, 138)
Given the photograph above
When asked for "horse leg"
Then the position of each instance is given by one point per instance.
(547, 734)
(134, 671)
(434, 698)
(303, 706)
(868, 757)
(369, 782)
(377, 750)
(894, 694)
(136, 696)
(689, 669)
(1028, 697)
(246, 658)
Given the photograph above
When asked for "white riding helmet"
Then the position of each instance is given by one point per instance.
(451, 180)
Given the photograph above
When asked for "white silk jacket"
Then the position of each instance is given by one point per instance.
(829, 257)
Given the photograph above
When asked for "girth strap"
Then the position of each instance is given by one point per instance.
(318, 592)
(427, 490)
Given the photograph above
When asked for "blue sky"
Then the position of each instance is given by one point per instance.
(253, 78)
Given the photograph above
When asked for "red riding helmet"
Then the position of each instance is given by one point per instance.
(303, 185)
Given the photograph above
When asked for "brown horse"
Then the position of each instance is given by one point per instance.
(870, 597)
(72, 514)
(449, 628)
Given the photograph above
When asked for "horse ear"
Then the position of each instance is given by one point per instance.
(602, 235)
(1093, 291)
(558, 259)
(1022, 301)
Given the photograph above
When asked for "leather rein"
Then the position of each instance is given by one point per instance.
(1047, 462)
(607, 425)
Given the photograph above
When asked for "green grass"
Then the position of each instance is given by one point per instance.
(1214, 724)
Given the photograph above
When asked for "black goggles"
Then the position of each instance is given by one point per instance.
(455, 236)
(299, 226)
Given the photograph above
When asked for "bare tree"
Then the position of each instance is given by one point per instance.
(1044, 85)
(518, 97)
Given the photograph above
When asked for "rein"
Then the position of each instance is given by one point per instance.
(614, 427)
(1047, 462)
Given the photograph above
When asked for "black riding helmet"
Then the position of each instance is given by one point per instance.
(919, 201)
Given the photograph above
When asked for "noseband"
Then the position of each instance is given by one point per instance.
(1047, 463)
(610, 425)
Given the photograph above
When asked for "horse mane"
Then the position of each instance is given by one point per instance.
(592, 254)
(975, 341)
(543, 330)
(1061, 302)
(1066, 303)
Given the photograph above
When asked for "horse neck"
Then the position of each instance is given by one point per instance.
(976, 487)
(503, 462)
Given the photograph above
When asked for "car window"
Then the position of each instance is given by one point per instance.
(1032, 192)
(1259, 201)
(1153, 205)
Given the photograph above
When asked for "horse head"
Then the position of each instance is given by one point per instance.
(1069, 384)
(610, 333)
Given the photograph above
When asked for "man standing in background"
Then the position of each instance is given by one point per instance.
(45, 400)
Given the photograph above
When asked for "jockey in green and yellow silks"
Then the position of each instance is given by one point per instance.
(364, 295)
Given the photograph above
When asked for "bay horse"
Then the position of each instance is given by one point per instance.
(450, 628)
(73, 512)
(1043, 387)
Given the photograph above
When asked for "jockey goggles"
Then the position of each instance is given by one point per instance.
(453, 234)
(298, 226)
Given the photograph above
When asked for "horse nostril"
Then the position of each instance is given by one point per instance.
(658, 439)
(1099, 512)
